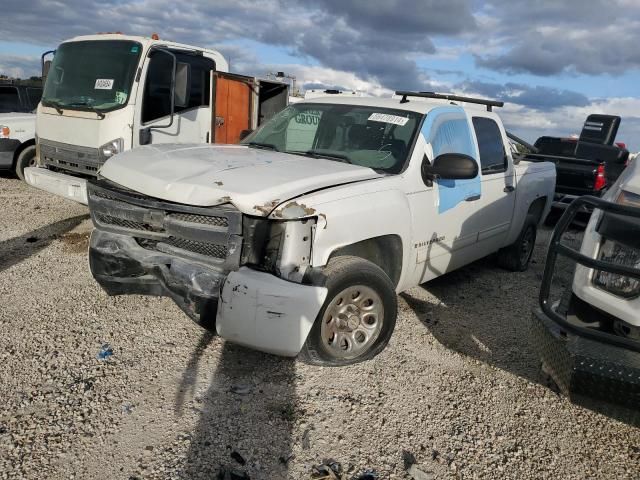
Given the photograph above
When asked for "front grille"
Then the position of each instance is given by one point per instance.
(74, 158)
(169, 228)
(201, 248)
(203, 219)
(124, 223)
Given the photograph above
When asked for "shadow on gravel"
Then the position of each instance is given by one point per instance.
(482, 315)
(17, 249)
(247, 417)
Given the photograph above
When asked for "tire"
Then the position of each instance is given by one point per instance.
(26, 158)
(516, 256)
(356, 330)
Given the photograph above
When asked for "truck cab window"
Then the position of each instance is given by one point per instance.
(156, 101)
(9, 99)
(34, 95)
(492, 155)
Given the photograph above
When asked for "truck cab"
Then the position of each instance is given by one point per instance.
(18, 101)
(297, 241)
(105, 94)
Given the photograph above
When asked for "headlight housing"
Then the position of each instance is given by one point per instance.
(621, 247)
(111, 148)
(619, 285)
(279, 247)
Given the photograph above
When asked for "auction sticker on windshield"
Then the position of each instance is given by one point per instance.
(386, 118)
(103, 84)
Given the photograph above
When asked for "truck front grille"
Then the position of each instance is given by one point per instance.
(74, 158)
(210, 234)
(201, 248)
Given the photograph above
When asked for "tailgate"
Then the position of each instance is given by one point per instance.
(576, 177)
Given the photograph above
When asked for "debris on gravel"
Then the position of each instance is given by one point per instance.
(458, 386)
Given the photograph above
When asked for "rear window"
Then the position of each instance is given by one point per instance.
(9, 100)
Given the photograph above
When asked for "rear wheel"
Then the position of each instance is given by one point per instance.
(516, 256)
(26, 158)
(358, 316)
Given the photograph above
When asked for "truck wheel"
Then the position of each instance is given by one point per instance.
(358, 316)
(516, 256)
(26, 158)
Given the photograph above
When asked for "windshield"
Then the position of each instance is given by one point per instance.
(379, 138)
(92, 75)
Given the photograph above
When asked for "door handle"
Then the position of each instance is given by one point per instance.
(509, 189)
(472, 199)
(219, 121)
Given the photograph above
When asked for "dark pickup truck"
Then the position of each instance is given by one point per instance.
(588, 165)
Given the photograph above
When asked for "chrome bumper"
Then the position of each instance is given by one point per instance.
(66, 186)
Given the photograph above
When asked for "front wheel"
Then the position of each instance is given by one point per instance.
(358, 316)
(26, 158)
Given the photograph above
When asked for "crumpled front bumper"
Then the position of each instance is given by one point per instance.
(591, 373)
(251, 308)
(121, 266)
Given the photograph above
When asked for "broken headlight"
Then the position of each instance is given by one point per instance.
(277, 246)
(619, 285)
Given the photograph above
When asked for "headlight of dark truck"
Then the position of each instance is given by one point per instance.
(621, 245)
(279, 247)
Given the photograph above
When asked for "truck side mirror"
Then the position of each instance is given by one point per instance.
(181, 91)
(145, 136)
(245, 133)
(449, 166)
(46, 66)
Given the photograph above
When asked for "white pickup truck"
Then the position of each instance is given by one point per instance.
(18, 126)
(589, 341)
(298, 240)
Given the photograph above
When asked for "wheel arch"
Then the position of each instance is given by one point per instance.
(537, 208)
(27, 143)
(385, 251)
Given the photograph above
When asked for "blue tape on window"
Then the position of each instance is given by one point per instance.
(448, 131)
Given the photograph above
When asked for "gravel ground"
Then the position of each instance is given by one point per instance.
(458, 386)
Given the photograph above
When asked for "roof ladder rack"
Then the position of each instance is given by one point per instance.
(481, 101)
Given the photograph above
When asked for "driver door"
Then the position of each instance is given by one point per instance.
(191, 122)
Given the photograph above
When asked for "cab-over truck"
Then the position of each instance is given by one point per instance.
(297, 240)
(108, 93)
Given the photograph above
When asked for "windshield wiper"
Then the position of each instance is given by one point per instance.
(54, 104)
(268, 146)
(90, 107)
(322, 154)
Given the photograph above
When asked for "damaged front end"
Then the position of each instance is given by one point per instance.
(146, 246)
(245, 273)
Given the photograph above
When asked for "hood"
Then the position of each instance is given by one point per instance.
(14, 116)
(255, 181)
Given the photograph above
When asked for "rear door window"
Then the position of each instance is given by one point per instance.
(493, 158)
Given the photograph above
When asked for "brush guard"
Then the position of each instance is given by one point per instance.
(596, 369)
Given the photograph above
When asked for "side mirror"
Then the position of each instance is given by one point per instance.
(145, 136)
(245, 133)
(46, 66)
(181, 91)
(449, 166)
